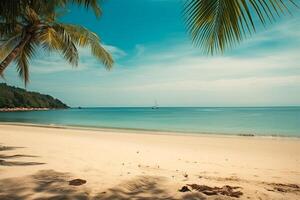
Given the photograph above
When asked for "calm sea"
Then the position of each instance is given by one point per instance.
(284, 121)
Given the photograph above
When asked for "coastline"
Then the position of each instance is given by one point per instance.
(21, 109)
(151, 131)
(121, 164)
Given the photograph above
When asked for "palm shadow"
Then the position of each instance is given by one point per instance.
(144, 188)
(18, 163)
(43, 185)
(4, 157)
(53, 185)
(8, 148)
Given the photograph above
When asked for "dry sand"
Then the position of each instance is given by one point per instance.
(38, 162)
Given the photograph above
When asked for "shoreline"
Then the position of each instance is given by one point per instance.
(23, 109)
(150, 131)
(119, 164)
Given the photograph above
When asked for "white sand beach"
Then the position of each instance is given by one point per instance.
(38, 162)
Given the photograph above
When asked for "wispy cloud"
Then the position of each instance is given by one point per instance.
(140, 49)
(263, 70)
(272, 79)
(46, 62)
(180, 75)
(115, 51)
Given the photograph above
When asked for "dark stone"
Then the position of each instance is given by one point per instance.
(77, 182)
(184, 189)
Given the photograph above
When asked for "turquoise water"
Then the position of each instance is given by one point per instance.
(284, 121)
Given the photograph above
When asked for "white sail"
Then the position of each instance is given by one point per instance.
(155, 105)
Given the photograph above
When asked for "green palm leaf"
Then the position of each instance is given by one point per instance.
(22, 61)
(63, 42)
(26, 25)
(11, 10)
(218, 24)
(6, 46)
(83, 37)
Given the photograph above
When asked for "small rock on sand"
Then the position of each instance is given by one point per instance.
(184, 189)
(77, 182)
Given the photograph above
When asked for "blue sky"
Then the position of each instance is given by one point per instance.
(156, 60)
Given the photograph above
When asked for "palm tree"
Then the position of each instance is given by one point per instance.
(35, 26)
(216, 25)
(10, 10)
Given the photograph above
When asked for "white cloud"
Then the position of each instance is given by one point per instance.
(199, 81)
(180, 76)
(140, 49)
(252, 74)
(46, 62)
(115, 51)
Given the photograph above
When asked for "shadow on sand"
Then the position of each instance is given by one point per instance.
(45, 184)
(53, 185)
(4, 158)
(144, 187)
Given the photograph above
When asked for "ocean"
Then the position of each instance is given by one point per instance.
(265, 121)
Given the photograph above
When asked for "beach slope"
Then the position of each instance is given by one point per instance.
(39, 162)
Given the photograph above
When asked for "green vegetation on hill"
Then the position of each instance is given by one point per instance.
(13, 97)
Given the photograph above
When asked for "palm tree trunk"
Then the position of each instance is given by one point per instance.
(15, 52)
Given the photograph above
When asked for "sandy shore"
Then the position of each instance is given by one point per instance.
(38, 162)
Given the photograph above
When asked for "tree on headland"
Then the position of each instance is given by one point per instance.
(29, 25)
(13, 97)
(215, 25)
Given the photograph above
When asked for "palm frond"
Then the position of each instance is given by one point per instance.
(215, 25)
(83, 37)
(56, 38)
(22, 61)
(31, 16)
(101, 53)
(93, 4)
(8, 30)
(7, 46)
(12, 10)
(49, 40)
(35, 24)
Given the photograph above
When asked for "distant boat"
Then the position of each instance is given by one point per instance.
(155, 105)
(79, 107)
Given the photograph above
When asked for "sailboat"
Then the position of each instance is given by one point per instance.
(155, 105)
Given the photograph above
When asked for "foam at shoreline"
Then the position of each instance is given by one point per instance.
(265, 121)
(149, 131)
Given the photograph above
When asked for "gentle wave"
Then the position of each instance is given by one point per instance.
(244, 121)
